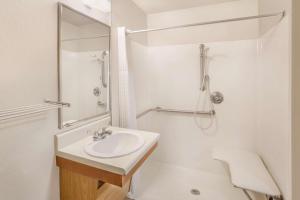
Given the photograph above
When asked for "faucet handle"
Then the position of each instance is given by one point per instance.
(105, 131)
(96, 135)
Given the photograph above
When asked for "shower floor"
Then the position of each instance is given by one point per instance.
(159, 181)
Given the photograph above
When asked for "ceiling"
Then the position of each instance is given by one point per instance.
(155, 6)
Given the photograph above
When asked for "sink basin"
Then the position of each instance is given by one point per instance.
(116, 145)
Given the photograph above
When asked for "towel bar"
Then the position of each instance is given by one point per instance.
(23, 111)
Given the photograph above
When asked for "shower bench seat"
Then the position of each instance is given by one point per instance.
(248, 172)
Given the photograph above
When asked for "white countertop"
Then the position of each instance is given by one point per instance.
(120, 165)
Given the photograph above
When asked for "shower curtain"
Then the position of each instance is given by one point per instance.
(127, 107)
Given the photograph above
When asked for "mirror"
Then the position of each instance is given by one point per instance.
(84, 55)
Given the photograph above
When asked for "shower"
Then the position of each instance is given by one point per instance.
(211, 97)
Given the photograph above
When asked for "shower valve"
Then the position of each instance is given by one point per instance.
(217, 97)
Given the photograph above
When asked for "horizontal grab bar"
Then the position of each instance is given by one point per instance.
(160, 109)
(145, 113)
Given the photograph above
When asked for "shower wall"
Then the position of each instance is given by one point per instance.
(252, 69)
(175, 84)
(273, 136)
(170, 78)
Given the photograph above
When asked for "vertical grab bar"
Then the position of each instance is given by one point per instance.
(202, 66)
(104, 84)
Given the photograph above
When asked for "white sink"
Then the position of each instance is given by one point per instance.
(116, 145)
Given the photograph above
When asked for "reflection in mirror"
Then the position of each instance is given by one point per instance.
(84, 66)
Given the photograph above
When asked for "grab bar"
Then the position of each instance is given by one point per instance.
(160, 109)
(145, 113)
(103, 73)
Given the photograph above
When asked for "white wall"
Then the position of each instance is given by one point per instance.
(273, 136)
(28, 75)
(142, 73)
(28, 65)
(175, 84)
(209, 33)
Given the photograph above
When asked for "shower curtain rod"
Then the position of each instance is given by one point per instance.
(85, 38)
(282, 14)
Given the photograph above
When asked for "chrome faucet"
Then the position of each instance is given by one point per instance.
(100, 135)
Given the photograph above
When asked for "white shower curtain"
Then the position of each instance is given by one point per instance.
(127, 106)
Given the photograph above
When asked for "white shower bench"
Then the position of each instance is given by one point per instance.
(248, 172)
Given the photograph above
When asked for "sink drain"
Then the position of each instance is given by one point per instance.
(195, 192)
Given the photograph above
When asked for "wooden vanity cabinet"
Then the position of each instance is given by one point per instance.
(82, 182)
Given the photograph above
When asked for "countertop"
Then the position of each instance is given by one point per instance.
(120, 165)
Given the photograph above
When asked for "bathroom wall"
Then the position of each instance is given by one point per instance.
(128, 14)
(209, 33)
(28, 65)
(273, 136)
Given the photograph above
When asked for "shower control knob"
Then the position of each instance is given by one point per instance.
(216, 97)
(96, 91)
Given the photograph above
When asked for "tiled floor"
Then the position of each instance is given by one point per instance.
(160, 181)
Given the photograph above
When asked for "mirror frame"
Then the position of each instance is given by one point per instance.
(59, 51)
